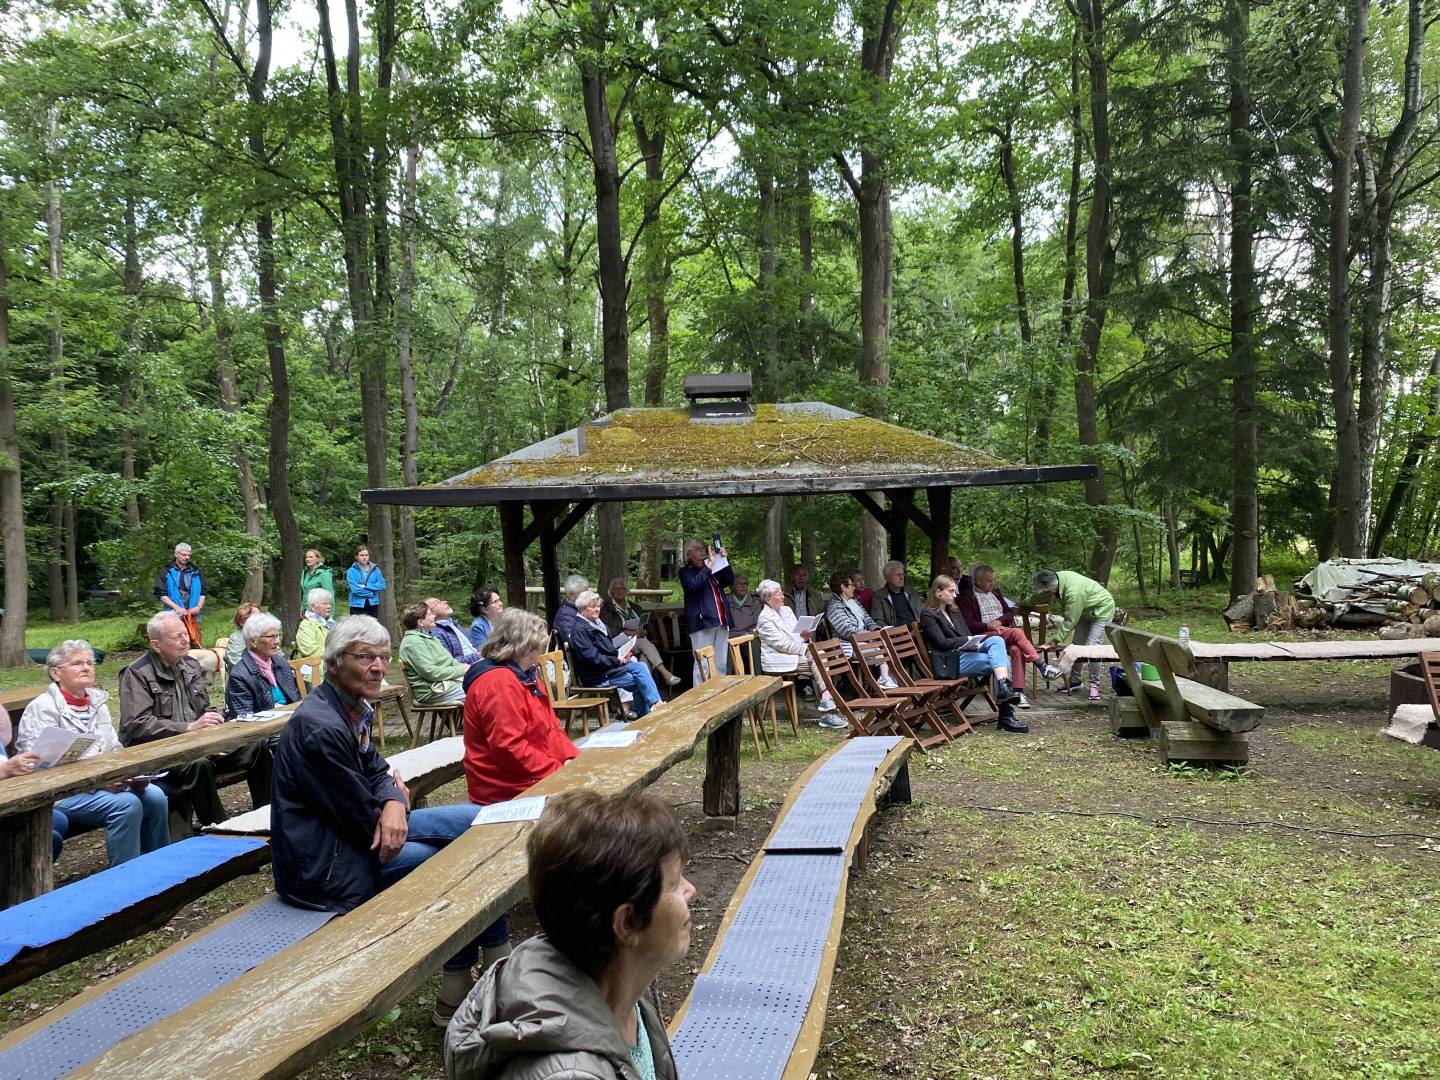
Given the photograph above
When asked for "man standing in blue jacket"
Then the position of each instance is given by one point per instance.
(707, 615)
(181, 588)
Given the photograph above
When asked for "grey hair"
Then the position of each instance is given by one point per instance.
(156, 626)
(1046, 581)
(891, 565)
(57, 656)
(182, 546)
(618, 581)
(575, 584)
(315, 595)
(980, 568)
(354, 630)
(696, 545)
(767, 589)
(586, 598)
(515, 633)
(257, 626)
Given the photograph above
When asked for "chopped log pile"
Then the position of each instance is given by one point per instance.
(1400, 605)
(1267, 608)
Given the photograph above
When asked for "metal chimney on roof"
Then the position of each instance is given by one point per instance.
(726, 397)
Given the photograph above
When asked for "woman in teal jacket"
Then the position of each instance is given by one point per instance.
(316, 575)
(366, 584)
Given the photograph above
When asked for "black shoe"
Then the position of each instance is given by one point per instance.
(1009, 723)
(1005, 692)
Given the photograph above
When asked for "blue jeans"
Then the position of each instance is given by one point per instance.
(134, 821)
(431, 828)
(59, 826)
(636, 678)
(991, 655)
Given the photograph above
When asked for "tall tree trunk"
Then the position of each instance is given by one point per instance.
(655, 258)
(127, 393)
(1421, 439)
(287, 592)
(230, 403)
(404, 302)
(805, 241)
(776, 541)
(769, 316)
(1017, 230)
(1244, 299)
(1172, 540)
(1352, 495)
(1099, 276)
(12, 495)
(64, 593)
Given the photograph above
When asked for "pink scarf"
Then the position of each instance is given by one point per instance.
(266, 666)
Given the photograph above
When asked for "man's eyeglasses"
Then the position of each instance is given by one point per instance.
(365, 659)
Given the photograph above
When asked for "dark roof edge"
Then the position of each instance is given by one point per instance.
(475, 495)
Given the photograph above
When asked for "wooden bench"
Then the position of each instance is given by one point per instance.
(26, 801)
(324, 990)
(714, 1035)
(1191, 721)
(15, 701)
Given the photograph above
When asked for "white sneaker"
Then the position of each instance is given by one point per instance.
(1022, 702)
(827, 704)
(887, 681)
(833, 723)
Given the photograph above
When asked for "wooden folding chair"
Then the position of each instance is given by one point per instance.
(705, 661)
(867, 715)
(395, 692)
(918, 702)
(973, 686)
(298, 665)
(552, 670)
(1038, 634)
(443, 716)
(742, 662)
(908, 654)
(1430, 673)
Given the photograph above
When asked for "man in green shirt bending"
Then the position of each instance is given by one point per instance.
(1085, 606)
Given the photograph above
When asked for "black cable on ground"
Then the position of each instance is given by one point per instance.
(1202, 821)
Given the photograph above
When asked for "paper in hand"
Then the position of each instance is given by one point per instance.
(624, 645)
(972, 643)
(805, 623)
(526, 809)
(718, 562)
(608, 738)
(56, 746)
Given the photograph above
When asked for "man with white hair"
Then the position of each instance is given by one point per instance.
(163, 694)
(450, 633)
(181, 588)
(565, 617)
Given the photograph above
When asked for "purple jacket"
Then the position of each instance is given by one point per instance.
(705, 605)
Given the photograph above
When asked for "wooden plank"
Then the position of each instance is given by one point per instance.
(1214, 708)
(1122, 641)
(323, 991)
(1126, 719)
(26, 868)
(721, 795)
(1185, 740)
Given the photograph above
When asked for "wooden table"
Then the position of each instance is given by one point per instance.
(26, 801)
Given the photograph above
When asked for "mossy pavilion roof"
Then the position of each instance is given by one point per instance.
(796, 448)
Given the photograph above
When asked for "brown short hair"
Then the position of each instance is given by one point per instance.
(244, 611)
(411, 616)
(840, 578)
(590, 854)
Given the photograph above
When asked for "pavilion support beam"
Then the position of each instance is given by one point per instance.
(574, 517)
(939, 530)
(512, 529)
(550, 571)
(903, 500)
(875, 510)
(543, 513)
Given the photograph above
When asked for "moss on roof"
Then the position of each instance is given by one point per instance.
(663, 442)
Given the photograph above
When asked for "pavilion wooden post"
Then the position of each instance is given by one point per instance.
(549, 568)
(512, 529)
(903, 501)
(939, 500)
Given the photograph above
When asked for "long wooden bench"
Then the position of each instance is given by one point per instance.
(757, 1009)
(326, 988)
(123, 902)
(1189, 720)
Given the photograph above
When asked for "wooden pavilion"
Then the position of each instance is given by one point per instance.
(706, 452)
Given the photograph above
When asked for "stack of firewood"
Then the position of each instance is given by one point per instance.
(1401, 606)
(1267, 608)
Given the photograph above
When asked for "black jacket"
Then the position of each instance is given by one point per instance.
(329, 790)
(248, 691)
(940, 635)
(592, 653)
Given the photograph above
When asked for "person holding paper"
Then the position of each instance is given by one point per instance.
(707, 617)
(981, 603)
(782, 644)
(262, 679)
(598, 662)
(24, 765)
(620, 616)
(607, 881)
(135, 814)
(434, 675)
(513, 738)
(955, 651)
(847, 618)
(341, 828)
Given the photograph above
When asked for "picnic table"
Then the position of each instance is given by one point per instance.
(26, 801)
(15, 701)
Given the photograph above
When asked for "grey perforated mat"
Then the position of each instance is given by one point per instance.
(739, 1029)
(822, 817)
(779, 931)
(160, 990)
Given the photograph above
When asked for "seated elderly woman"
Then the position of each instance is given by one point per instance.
(434, 675)
(24, 765)
(135, 814)
(315, 627)
(846, 617)
(782, 645)
(607, 881)
(955, 650)
(597, 660)
(235, 646)
(262, 679)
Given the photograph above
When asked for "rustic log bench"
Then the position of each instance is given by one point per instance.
(340, 976)
(1189, 720)
(757, 1009)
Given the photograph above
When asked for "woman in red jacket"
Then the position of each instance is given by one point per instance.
(512, 736)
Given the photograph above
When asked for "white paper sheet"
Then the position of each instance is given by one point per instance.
(624, 645)
(56, 746)
(718, 563)
(806, 623)
(608, 738)
(526, 809)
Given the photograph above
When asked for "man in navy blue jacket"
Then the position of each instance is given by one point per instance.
(707, 615)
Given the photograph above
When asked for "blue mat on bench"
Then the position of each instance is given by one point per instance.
(164, 988)
(822, 816)
(70, 908)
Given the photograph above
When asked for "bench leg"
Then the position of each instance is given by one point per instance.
(1214, 673)
(25, 867)
(899, 787)
(721, 792)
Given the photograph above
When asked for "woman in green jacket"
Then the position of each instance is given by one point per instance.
(315, 576)
(434, 675)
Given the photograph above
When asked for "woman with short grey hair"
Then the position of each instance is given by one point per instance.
(516, 635)
(782, 646)
(262, 679)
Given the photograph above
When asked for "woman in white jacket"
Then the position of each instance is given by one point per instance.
(134, 813)
(782, 645)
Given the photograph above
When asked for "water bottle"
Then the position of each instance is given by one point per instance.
(1185, 633)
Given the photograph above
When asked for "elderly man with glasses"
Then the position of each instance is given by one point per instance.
(341, 827)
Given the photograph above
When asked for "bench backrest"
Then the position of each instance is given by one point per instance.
(1430, 672)
(1164, 653)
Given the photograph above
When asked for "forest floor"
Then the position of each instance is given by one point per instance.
(1060, 904)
